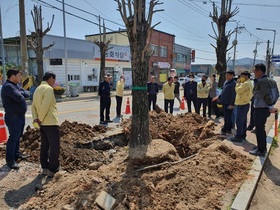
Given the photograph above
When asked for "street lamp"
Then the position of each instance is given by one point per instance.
(274, 31)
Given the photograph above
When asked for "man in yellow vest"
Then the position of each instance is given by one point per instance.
(244, 93)
(202, 95)
(168, 92)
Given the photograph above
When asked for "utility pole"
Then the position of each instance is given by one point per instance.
(23, 43)
(255, 52)
(2, 50)
(65, 50)
(268, 58)
(234, 43)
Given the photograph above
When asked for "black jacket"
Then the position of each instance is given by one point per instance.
(228, 94)
(13, 98)
(149, 84)
(104, 89)
(188, 86)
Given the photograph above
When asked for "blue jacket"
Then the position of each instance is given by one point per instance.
(188, 87)
(13, 98)
(104, 89)
(228, 94)
(149, 89)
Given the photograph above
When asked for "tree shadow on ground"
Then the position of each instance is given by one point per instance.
(4, 171)
(15, 198)
(272, 172)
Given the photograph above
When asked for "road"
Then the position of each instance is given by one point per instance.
(87, 111)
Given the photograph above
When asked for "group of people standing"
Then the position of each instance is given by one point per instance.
(236, 97)
(198, 94)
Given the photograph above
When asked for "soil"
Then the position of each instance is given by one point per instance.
(203, 181)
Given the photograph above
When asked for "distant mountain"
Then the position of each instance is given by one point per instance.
(246, 62)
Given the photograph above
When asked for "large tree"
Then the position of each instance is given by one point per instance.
(36, 39)
(139, 31)
(221, 36)
(103, 43)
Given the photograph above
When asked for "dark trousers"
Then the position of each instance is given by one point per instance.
(191, 98)
(171, 105)
(261, 115)
(203, 102)
(152, 100)
(227, 118)
(252, 116)
(241, 120)
(119, 105)
(212, 105)
(105, 103)
(50, 148)
(15, 124)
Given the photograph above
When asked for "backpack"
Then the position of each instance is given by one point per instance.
(274, 93)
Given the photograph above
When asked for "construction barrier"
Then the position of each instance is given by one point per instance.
(182, 105)
(127, 109)
(3, 131)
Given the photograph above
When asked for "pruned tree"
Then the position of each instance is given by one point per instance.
(139, 31)
(103, 44)
(36, 39)
(221, 36)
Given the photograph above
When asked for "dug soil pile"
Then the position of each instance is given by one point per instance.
(200, 182)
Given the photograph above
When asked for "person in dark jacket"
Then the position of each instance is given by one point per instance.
(227, 99)
(152, 90)
(13, 99)
(177, 90)
(252, 112)
(190, 92)
(266, 94)
(105, 99)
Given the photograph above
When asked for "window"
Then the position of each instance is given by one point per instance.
(154, 49)
(73, 77)
(55, 61)
(163, 51)
(90, 78)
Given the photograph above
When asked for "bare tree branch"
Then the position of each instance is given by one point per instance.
(49, 46)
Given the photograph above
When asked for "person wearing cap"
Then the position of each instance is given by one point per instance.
(105, 99)
(119, 95)
(13, 100)
(244, 93)
(227, 98)
(152, 91)
(44, 113)
(190, 92)
(266, 94)
(202, 95)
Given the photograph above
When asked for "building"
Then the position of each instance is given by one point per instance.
(182, 60)
(162, 46)
(83, 60)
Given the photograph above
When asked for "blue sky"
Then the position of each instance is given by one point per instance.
(188, 20)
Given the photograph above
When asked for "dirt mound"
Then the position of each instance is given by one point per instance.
(188, 132)
(71, 134)
(199, 182)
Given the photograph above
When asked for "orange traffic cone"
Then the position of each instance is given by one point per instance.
(182, 105)
(127, 109)
(3, 132)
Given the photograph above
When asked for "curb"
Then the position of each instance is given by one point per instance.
(247, 190)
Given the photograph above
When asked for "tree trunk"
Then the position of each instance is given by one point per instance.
(102, 62)
(140, 133)
(39, 58)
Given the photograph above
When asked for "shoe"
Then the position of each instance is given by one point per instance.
(249, 128)
(109, 121)
(217, 117)
(103, 123)
(13, 165)
(50, 174)
(256, 147)
(119, 115)
(256, 152)
(22, 157)
(253, 131)
(228, 132)
(45, 171)
(235, 139)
